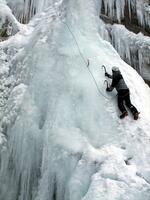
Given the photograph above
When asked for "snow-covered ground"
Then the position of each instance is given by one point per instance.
(64, 138)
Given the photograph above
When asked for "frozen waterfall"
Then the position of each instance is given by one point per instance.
(115, 9)
(133, 48)
(64, 140)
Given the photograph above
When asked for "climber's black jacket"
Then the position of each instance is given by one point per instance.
(117, 82)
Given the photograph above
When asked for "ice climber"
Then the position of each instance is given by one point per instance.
(123, 93)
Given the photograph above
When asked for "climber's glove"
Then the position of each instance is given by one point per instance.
(108, 89)
(106, 74)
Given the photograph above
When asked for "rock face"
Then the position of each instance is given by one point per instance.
(128, 23)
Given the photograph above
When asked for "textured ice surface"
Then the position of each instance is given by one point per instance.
(65, 141)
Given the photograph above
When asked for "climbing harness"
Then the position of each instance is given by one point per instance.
(122, 96)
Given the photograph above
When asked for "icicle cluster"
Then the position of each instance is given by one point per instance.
(110, 5)
(24, 10)
(115, 9)
(133, 48)
(61, 143)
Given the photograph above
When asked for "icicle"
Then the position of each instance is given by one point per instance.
(129, 7)
(116, 8)
(147, 15)
(133, 48)
(24, 10)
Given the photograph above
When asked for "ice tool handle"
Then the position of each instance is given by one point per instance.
(107, 84)
(103, 66)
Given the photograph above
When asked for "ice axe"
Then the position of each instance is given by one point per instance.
(106, 82)
(103, 66)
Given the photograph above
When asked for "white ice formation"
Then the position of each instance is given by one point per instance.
(133, 48)
(63, 138)
(116, 8)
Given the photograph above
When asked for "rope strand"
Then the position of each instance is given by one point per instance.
(86, 62)
(97, 85)
(81, 54)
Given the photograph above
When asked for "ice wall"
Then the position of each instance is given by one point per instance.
(65, 141)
